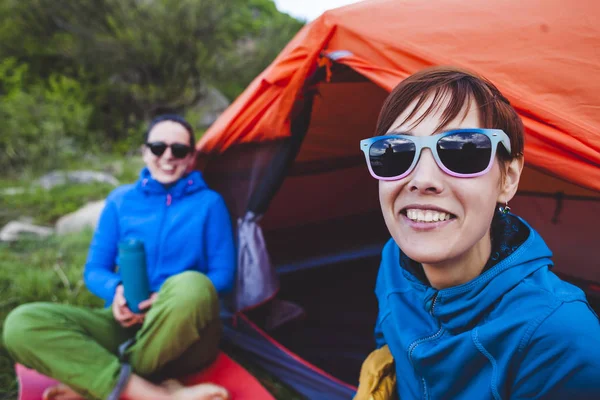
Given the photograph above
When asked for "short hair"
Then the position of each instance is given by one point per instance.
(462, 87)
(174, 118)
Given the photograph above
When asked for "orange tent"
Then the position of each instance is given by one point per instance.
(543, 55)
(288, 148)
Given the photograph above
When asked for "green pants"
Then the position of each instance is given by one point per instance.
(79, 346)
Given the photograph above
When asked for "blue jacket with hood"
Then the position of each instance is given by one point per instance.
(184, 227)
(517, 331)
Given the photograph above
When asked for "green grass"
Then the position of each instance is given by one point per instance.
(51, 269)
(32, 270)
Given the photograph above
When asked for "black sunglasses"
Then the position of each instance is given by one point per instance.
(177, 149)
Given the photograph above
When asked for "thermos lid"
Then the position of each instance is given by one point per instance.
(131, 244)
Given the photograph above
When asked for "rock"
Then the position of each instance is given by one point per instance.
(25, 219)
(210, 107)
(114, 168)
(12, 191)
(14, 230)
(84, 218)
(56, 178)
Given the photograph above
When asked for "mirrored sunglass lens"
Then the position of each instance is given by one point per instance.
(157, 148)
(465, 152)
(180, 150)
(391, 157)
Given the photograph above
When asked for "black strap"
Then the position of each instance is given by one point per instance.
(121, 382)
(125, 372)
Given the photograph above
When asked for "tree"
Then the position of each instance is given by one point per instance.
(256, 51)
(137, 58)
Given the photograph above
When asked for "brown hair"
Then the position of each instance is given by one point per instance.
(462, 87)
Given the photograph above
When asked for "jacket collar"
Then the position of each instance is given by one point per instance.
(507, 234)
(190, 182)
(461, 306)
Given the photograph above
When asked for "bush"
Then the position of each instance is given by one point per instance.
(138, 59)
(44, 123)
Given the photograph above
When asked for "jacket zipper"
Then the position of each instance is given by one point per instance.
(160, 230)
(414, 345)
(435, 296)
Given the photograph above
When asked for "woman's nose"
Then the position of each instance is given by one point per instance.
(427, 177)
(167, 154)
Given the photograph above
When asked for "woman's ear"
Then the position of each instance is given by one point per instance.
(146, 154)
(192, 161)
(510, 181)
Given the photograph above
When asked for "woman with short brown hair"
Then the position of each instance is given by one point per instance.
(468, 305)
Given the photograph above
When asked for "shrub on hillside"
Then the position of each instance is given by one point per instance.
(44, 123)
(142, 58)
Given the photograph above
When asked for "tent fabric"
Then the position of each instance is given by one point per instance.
(567, 223)
(542, 55)
(569, 228)
(311, 382)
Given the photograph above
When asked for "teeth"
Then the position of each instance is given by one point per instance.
(167, 167)
(427, 215)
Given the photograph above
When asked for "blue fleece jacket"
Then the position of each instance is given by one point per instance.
(185, 227)
(516, 331)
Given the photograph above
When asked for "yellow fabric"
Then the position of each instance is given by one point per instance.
(377, 376)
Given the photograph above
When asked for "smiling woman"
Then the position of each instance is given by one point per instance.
(463, 282)
(169, 150)
(452, 251)
(184, 244)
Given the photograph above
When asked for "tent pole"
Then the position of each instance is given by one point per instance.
(283, 160)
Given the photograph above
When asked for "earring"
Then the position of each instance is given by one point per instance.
(504, 209)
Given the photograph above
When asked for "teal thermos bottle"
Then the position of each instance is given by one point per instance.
(132, 267)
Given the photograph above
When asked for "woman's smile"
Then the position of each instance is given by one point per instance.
(420, 220)
(166, 168)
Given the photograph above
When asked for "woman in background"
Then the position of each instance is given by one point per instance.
(190, 259)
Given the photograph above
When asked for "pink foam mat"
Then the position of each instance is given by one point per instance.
(224, 371)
